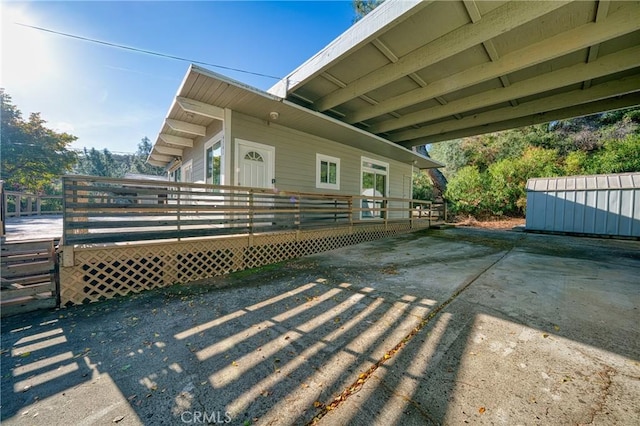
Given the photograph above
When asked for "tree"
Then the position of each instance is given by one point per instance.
(33, 156)
(422, 187)
(102, 163)
(363, 7)
(437, 178)
(139, 163)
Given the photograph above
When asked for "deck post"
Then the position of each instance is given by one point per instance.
(251, 211)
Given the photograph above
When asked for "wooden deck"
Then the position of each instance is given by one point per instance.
(33, 227)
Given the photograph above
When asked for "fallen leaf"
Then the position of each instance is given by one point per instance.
(556, 328)
(545, 335)
(235, 364)
(317, 404)
(118, 419)
(481, 410)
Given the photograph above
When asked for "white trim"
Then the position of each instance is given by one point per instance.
(218, 137)
(328, 159)
(227, 177)
(374, 171)
(270, 160)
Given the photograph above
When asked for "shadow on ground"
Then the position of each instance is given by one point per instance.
(370, 334)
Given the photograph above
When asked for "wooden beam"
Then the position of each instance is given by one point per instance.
(200, 108)
(623, 22)
(559, 114)
(560, 101)
(164, 158)
(184, 127)
(494, 23)
(162, 149)
(601, 13)
(176, 140)
(384, 49)
(615, 62)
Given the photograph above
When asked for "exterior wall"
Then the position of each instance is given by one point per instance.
(595, 205)
(196, 154)
(295, 159)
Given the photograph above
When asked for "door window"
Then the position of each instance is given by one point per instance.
(374, 184)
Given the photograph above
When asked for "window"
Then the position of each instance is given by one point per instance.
(327, 172)
(177, 175)
(213, 158)
(187, 172)
(374, 184)
(253, 156)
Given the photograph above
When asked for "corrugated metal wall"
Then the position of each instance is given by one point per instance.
(598, 204)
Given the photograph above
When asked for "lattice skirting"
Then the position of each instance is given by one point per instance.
(90, 274)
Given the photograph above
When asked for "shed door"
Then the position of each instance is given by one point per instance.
(255, 164)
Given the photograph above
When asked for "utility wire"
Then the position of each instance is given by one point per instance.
(148, 52)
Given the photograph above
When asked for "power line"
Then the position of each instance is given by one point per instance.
(148, 52)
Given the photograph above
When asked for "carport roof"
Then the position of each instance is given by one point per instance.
(418, 72)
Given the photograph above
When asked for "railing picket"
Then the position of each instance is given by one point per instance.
(100, 210)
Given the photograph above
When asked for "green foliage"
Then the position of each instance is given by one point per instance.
(95, 162)
(507, 179)
(619, 156)
(450, 154)
(363, 7)
(139, 163)
(467, 191)
(33, 156)
(488, 173)
(102, 163)
(422, 187)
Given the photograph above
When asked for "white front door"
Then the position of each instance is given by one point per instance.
(254, 164)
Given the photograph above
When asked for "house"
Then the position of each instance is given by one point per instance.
(254, 172)
(408, 74)
(221, 132)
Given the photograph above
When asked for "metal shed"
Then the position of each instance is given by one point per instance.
(596, 205)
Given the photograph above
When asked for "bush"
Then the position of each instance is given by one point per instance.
(467, 191)
(422, 187)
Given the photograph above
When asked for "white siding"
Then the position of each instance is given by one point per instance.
(296, 151)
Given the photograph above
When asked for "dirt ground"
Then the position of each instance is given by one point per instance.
(504, 223)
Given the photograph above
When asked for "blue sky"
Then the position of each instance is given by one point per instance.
(111, 98)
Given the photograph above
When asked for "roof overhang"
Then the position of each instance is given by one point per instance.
(204, 95)
(417, 72)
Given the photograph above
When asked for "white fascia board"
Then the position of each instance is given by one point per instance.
(381, 19)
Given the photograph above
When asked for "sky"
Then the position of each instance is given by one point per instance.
(111, 97)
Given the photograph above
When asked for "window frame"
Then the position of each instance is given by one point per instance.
(216, 139)
(381, 169)
(328, 159)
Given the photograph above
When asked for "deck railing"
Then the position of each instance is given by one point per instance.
(103, 210)
(17, 204)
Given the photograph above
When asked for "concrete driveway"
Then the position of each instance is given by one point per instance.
(439, 327)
